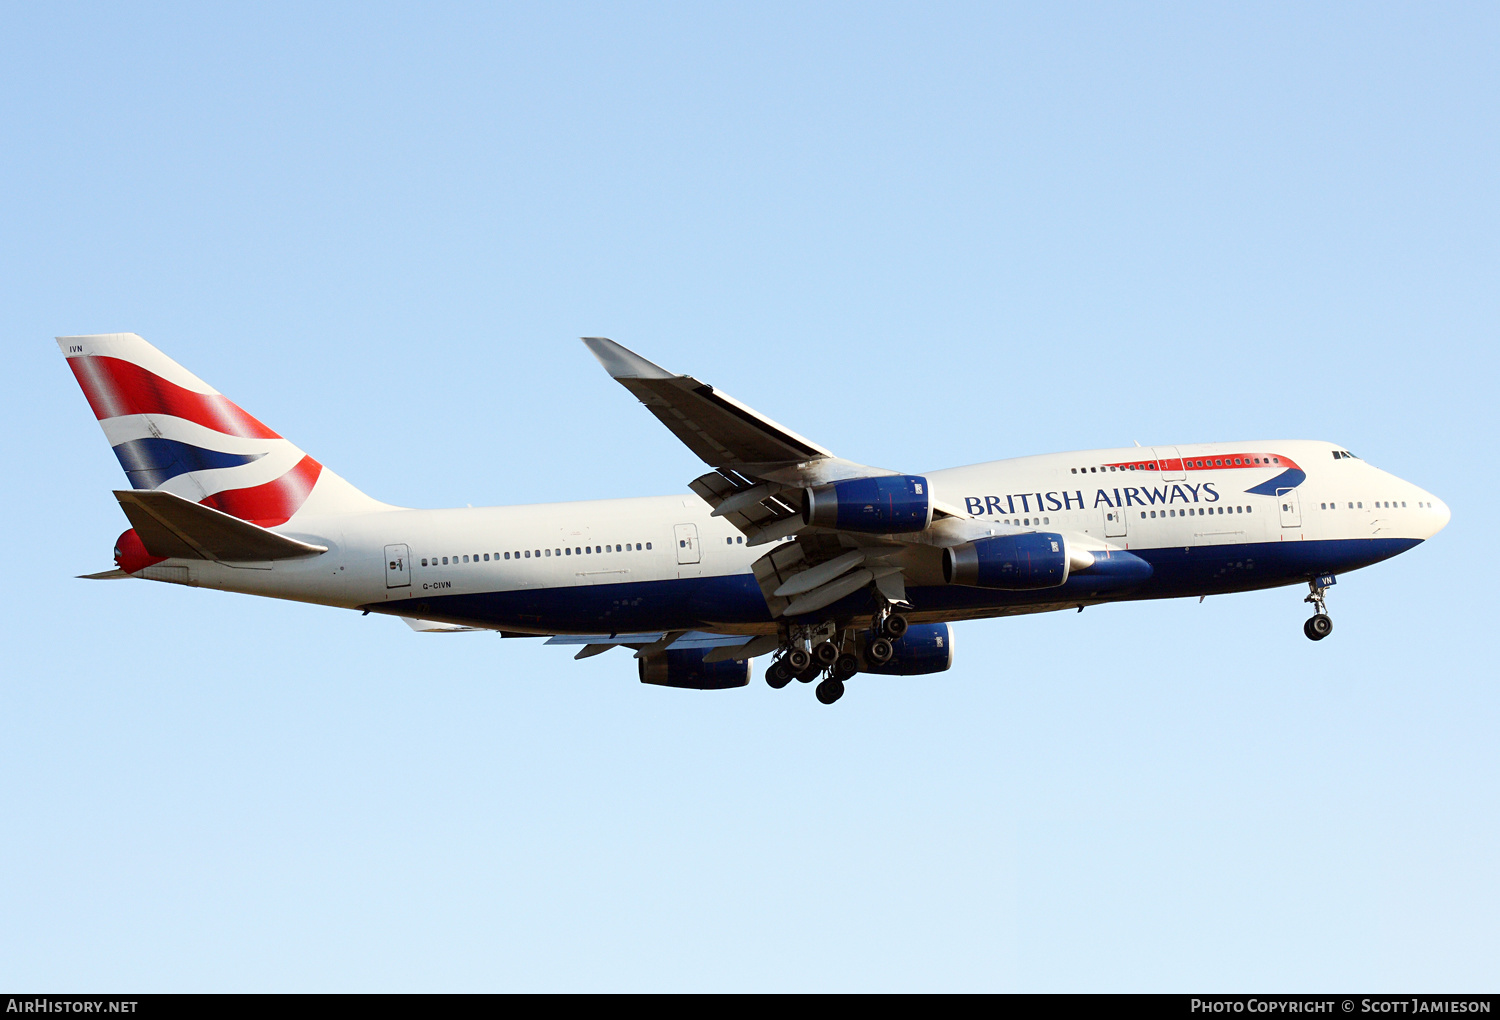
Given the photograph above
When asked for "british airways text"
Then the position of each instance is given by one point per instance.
(1133, 495)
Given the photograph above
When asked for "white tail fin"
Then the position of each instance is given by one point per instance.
(174, 432)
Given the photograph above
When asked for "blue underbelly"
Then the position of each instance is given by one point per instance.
(696, 602)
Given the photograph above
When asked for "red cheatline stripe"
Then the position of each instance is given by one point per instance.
(115, 387)
(272, 503)
(1217, 463)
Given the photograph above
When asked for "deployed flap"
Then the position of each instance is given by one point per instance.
(434, 627)
(594, 644)
(171, 526)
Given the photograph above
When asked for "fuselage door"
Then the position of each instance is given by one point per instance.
(397, 566)
(1169, 461)
(1114, 522)
(1291, 510)
(687, 543)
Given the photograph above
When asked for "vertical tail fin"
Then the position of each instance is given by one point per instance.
(172, 431)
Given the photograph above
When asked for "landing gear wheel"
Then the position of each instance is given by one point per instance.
(809, 674)
(830, 690)
(826, 654)
(777, 676)
(1318, 627)
(846, 667)
(880, 651)
(895, 627)
(798, 660)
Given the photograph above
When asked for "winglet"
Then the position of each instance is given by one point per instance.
(621, 363)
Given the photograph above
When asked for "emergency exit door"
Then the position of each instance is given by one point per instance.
(397, 566)
(1291, 510)
(1114, 522)
(687, 543)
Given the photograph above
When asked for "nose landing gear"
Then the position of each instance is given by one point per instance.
(1320, 625)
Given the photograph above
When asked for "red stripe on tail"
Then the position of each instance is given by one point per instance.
(272, 503)
(115, 387)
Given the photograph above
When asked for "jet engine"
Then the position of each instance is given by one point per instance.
(924, 648)
(889, 504)
(685, 668)
(1012, 562)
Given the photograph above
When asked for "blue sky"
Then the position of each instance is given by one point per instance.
(923, 236)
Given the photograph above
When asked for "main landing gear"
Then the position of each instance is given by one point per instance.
(823, 651)
(1320, 625)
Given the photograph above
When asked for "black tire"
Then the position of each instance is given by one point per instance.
(1319, 627)
(826, 653)
(809, 674)
(830, 690)
(777, 676)
(1307, 629)
(880, 651)
(847, 666)
(798, 660)
(896, 626)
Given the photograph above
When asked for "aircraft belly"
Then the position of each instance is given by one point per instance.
(736, 599)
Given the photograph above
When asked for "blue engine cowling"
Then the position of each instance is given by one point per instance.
(1009, 562)
(924, 648)
(890, 504)
(685, 668)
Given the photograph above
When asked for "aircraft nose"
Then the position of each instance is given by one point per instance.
(1439, 517)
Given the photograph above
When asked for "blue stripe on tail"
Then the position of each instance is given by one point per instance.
(150, 462)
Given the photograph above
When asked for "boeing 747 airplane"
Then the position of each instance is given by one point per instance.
(832, 568)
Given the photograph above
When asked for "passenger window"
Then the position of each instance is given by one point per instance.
(424, 561)
(1403, 503)
(445, 561)
(507, 555)
(648, 545)
(1153, 513)
(1046, 520)
(1275, 460)
(567, 552)
(728, 541)
(528, 554)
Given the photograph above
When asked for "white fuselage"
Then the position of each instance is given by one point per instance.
(488, 566)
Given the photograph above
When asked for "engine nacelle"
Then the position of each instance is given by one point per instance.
(1009, 562)
(685, 668)
(889, 504)
(924, 648)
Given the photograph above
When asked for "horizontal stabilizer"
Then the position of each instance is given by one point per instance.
(104, 575)
(171, 526)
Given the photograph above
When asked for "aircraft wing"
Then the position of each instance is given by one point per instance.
(761, 469)
(761, 466)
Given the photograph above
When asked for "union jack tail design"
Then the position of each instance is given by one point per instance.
(173, 431)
